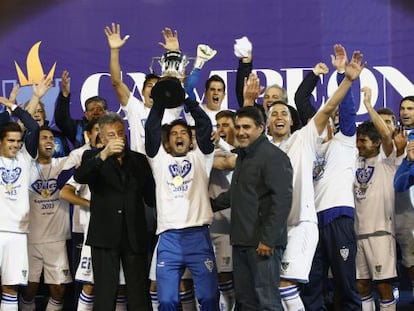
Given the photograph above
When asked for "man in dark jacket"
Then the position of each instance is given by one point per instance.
(260, 197)
(120, 181)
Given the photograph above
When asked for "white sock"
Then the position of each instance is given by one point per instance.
(227, 298)
(54, 305)
(85, 302)
(187, 300)
(121, 303)
(388, 305)
(290, 297)
(368, 303)
(9, 302)
(154, 300)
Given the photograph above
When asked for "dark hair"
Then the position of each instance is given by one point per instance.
(96, 99)
(9, 127)
(226, 114)
(410, 98)
(367, 128)
(178, 122)
(215, 78)
(388, 112)
(294, 115)
(252, 113)
(89, 126)
(149, 77)
(45, 128)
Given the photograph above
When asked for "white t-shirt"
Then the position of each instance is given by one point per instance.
(137, 114)
(301, 149)
(220, 181)
(334, 172)
(49, 215)
(374, 194)
(14, 193)
(211, 114)
(182, 189)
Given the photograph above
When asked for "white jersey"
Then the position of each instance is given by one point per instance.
(49, 215)
(374, 194)
(220, 181)
(137, 114)
(211, 114)
(182, 189)
(334, 172)
(14, 193)
(301, 149)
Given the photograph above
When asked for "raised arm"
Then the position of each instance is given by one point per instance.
(63, 118)
(404, 177)
(203, 126)
(39, 90)
(153, 129)
(115, 42)
(304, 92)
(352, 72)
(382, 128)
(243, 70)
(31, 137)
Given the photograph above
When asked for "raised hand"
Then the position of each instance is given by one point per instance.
(113, 147)
(14, 92)
(410, 151)
(113, 34)
(367, 95)
(65, 84)
(320, 69)
(340, 59)
(251, 89)
(39, 90)
(353, 69)
(171, 40)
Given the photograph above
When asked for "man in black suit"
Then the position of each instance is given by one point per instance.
(120, 181)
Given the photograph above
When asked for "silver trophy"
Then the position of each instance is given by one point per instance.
(168, 90)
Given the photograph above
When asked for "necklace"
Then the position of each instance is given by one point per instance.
(44, 192)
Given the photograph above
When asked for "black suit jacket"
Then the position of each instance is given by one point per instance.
(118, 193)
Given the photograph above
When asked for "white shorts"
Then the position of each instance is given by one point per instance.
(84, 273)
(52, 259)
(297, 259)
(223, 252)
(404, 234)
(376, 258)
(14, 264)
(153, 268)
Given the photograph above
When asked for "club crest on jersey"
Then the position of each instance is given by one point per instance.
(24, 273)
(318, 167)
(50, 185)
(181, 170)
(10, 176)
(209, 264)
(284, 266)
(378, 268)
(364, 175)
(344, 252)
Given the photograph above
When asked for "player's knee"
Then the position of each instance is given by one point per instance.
(364, 287)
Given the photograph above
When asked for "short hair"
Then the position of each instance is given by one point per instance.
(89, 126)
(253, 113)
(215, 78)
(388, 112)
(181, 122)
(109, 118)
(9, 127)
(294, 115)
(149, 77)
(410, 98)
(98, 99)
(226, 114)
(367, 128)
(283, 90)
(45, 128)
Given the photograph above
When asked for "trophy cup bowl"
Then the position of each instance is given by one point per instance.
(168, 92)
